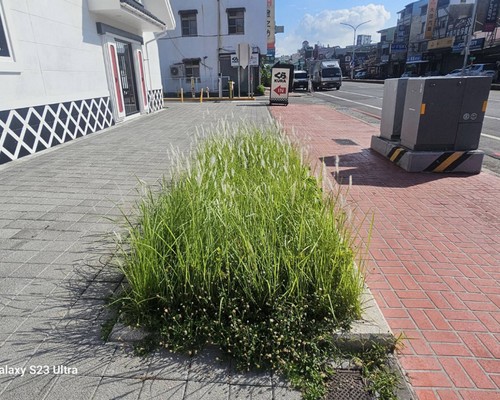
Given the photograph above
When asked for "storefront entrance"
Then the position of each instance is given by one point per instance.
(126, 70)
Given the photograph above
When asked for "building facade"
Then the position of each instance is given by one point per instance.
(69, 68)
(204, 45)
(431, 35)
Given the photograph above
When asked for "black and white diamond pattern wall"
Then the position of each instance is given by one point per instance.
(28, 130)
(155, 100)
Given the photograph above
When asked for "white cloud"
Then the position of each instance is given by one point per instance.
(325, 27)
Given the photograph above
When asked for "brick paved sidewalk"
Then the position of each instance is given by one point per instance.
(434, 259)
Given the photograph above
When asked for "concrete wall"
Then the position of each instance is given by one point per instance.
(54, 61)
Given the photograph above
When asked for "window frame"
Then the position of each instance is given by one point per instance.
(8, 63)
(4, 34)
(192, 69)
(232, 21)
(189, 16)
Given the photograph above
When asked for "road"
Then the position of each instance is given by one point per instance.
(364, 100)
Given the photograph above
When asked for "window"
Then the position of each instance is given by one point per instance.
(4, 45)
(236, 21)
(192, 68)
(189, 26)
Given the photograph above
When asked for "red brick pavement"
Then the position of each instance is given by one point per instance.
(434, 259)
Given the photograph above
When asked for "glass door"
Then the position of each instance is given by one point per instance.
(127, 76)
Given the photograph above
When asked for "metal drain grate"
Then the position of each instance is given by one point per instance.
(347, 385)
(345, 142)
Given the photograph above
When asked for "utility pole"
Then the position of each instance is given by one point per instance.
(469, 38)
(355, 28)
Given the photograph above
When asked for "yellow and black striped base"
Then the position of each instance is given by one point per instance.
(428, 161)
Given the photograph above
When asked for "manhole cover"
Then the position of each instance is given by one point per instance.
(345, 142)
(347, 385)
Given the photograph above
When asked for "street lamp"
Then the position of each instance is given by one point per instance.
(354, 42)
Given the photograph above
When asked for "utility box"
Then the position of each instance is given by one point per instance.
(444, 113)
(392, 108)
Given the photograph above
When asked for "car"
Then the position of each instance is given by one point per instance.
(409, 74)
(361, 75)
(455, 72)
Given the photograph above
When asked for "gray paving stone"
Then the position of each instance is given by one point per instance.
(16, 352)
(28, 387)
(7, 268)
(125, 364)
(244, 392)
(64, 387)
(168, 365)
(21, 306)
(163, 389)
(210, 366)
(283, 393)
(206, 391)
(115, 388)
(14, 286)
(250, 378)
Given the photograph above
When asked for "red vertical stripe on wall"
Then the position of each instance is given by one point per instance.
(116, 78)
(143, 84)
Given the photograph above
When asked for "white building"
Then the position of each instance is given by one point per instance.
(205, 42)
(69, 68)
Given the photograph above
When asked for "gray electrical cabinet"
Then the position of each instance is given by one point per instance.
(392, 108)
(444, 113)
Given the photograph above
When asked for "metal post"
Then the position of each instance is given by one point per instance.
(239, 81)
(469, 38)
(355, 28)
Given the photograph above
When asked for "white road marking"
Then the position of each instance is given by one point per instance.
(380, 108)
(489, 136)
(350, 101)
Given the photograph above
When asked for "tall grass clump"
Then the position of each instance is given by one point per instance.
(242, 249)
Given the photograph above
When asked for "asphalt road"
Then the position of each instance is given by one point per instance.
(364, 100)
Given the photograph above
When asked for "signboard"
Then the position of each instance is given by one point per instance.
(431, 19)
(398, 47)
(254, 60)
(475, 44)
(244, 54)
(440, 43)
(271, 41)
(490, 22)
(414, 58)
(280, 78)
(459, 22)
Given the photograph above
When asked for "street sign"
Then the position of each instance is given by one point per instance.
(244, 54)
(280, 78)
(234, 60)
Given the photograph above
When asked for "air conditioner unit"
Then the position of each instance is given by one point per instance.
(177, 70)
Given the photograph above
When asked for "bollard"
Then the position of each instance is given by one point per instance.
(182, 95)
(231, 89)
(201, 95)
(208, 93)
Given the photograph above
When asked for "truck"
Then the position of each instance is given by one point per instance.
(326, 74)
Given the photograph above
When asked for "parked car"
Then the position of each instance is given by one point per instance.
(477, 70)
(361, 75)
(409, 74)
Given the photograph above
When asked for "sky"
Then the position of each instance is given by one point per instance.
(318, 21)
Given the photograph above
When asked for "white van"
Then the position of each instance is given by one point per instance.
(300, 80)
